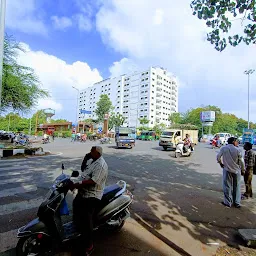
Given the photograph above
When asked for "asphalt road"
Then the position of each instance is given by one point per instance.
(176, 210)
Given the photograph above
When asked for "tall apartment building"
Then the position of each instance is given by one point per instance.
(152, 94)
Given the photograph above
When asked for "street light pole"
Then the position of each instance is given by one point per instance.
(248, 73)
(2, 25)
(77, 106)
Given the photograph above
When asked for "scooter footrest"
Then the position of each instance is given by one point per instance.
(69, 230)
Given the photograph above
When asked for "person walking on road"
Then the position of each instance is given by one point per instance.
(249, 160)
(232, 163)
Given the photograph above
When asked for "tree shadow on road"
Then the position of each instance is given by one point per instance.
(173, 197)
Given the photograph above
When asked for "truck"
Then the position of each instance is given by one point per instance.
(249, 135)
(125, 137)
(170, 137)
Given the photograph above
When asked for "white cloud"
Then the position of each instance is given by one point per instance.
(58, 77)
(166, 33)
(49, 103)
(61, 23)
(124, 66)
(158, 18)
(84, 22)
(25, 17)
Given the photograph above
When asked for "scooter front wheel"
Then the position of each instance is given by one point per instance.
(31, 246)
(177, 154)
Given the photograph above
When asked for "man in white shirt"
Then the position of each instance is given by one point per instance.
(90, 192)
(231, 160)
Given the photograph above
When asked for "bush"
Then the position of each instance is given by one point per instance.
(65, 134)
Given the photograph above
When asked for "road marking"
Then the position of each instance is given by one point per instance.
(6, 169)
(20, 206)
(17, 190)
(14, 180)
(8, 240)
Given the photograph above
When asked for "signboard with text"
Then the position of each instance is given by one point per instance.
(207, 116)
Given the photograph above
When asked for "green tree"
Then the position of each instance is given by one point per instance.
(218, 17)
(158, 128)
(104, 106)
(143, 121)
(21, 87)
(175, 118)
(115, 120)
(58, 120)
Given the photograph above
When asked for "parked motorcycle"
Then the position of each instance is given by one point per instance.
(23, 142)
(47, 232)
(105, 140)
(45, 140)
(181, 151)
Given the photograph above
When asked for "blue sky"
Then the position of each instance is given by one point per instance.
(79, 42)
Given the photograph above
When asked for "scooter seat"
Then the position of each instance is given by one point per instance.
(110, 191)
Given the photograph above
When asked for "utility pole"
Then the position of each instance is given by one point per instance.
(36, 123)
(9, 122)
(78, 92)
(248, 73)
(30, 126)
(2, 26)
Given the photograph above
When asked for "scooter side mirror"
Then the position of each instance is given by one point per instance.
(62, 166)
(75, 174)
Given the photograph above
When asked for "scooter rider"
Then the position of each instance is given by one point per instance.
(187, 143)
(90, 192)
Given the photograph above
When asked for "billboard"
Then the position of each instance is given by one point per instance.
(207, 116)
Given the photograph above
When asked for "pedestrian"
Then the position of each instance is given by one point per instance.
(73, 137)
(53, 136)
(249, 160)
(232, 163)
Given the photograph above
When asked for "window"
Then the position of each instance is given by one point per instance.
(153, 92)
(153, 73)
(152, 98)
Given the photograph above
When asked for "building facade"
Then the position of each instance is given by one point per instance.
(152, 94)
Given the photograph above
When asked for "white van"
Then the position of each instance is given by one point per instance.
(223, 137)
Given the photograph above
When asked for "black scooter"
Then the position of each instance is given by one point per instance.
(47, 232)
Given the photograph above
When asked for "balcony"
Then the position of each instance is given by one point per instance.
(158, 101)
(158, 113)
(158, 107)
(158, 94)
(158, 89)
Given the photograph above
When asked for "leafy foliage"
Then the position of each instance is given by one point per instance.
(104, 106)
(19, 123)
(143, 121)
(224, 122)
(158, 128)
(217, 15)
(183, 126)
(21, 87)
(115, 120)
(175, 118)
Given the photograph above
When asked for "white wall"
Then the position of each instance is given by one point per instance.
(135, 95)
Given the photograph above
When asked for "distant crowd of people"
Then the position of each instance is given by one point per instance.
(234, 166)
